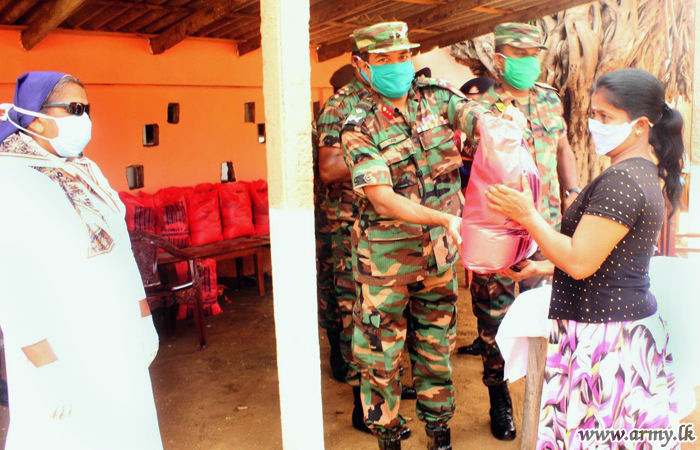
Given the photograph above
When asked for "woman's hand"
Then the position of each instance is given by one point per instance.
(521, 271)
(519, 206)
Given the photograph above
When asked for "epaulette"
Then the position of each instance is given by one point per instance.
(422, 82)
(357, 116)
(546, 86)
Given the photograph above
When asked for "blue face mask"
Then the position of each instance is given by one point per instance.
(391, 80)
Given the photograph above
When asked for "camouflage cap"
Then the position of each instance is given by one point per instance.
(519, 35)
(383, 38)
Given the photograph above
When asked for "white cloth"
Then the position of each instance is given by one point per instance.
(87, 309)
(671, 284)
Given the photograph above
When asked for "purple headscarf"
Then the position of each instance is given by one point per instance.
(31, 92)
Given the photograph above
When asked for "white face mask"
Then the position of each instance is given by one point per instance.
(607, 137)
(74, 132)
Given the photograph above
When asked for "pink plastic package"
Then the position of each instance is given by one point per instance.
(491, 241)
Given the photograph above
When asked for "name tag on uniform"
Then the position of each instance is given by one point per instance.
(432, 121)
(392, 141)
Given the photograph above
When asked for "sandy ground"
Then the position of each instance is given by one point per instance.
(226, 396)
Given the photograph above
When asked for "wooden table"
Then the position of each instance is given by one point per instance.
(231, 249)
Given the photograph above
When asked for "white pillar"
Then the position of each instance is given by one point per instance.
(287, 92)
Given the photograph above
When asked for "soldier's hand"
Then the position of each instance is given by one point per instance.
(454, 229)
(515, 115)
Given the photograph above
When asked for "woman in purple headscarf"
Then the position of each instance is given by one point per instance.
(78, 333)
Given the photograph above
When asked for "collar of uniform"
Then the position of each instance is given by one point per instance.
(358, 85)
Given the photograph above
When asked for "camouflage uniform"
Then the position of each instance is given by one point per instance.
(340, 208)
(328, 312)
(401, 265)
(492, 295)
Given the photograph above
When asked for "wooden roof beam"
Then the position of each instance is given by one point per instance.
(478, 29)
(443, 13)
(424, 20)
(44, 25)
(16, 10)
(249, 46)
(423, 2)
(191, 24)
(333, 9)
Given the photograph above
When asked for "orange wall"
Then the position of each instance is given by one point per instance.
(129, 87)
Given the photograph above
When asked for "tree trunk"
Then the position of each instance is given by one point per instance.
(588, 41)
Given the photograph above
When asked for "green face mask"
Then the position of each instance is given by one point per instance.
(522, 73)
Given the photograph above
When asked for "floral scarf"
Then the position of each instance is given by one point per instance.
(78, 179)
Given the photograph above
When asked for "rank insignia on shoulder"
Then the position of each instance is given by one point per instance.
(356, 117)
(500, 106)
(432, 121)
(387, 111)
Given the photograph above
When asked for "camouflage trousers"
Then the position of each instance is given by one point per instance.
(328, 311)
(381, 331)
(345, 293)
(492, 296)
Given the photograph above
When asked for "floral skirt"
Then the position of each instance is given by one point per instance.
(616, 375)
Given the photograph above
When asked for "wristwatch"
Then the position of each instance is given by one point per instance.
(574, 189)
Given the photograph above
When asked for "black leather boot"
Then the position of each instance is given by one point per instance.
(408, 393)
(502, 426)
(476, 348)
(358, 417)
(339, 367)
(390, 444)
(439, 438)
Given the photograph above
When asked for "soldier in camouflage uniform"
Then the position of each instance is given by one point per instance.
(328, 311)
(399, 145)
(341, 210)
(517, 46)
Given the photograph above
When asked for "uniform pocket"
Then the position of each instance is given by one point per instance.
(441, 151)
(404, 177)
(395, 248)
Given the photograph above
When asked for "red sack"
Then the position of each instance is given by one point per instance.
(261, 209)
(236, 210)
(204, 218)
(171, 216)
(210, 289)
(491, 241)
(140, 212)
(206, 187)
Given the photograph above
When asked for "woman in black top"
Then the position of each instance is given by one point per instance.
(607, 360)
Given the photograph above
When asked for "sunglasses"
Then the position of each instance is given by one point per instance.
(74, 108)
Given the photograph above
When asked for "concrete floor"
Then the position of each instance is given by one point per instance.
(226, 396)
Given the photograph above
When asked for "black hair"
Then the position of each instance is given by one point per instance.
(640, 94)
(59, 89)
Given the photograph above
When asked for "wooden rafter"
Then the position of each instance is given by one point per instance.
(4, 3)
(249, 46)
(41, 28)
(17, 9)
(447, 12)
(486, 9)
(544, 8)
(425, 20)
(189, 25)
(423, 2)
(84, 15)
(332, 9)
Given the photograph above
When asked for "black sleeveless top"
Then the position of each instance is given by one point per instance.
(630, 194)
